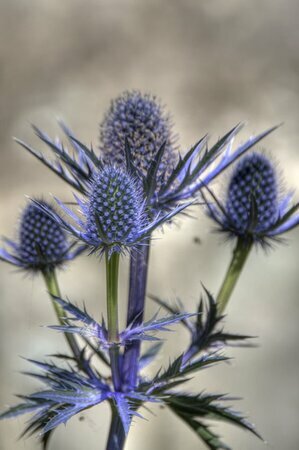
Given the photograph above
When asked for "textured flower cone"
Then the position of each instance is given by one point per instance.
(141, 120)
(115, 211)
(252, 195)
(42, 242)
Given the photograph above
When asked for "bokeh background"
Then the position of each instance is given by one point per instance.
(213, 63)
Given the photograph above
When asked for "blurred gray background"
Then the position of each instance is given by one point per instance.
(213, 63)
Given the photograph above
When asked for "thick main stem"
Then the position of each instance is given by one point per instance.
(137, 290)
(112, 265)
(53, 288)
(116, 437)
(233, 273)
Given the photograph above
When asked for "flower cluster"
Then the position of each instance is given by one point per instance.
(127, 133)
(134, 184)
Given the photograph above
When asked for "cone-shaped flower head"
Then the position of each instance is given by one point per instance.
(139, 119)
(115, 213)
(42, 241)
(41, 244)
(254, 209)
(252, 195)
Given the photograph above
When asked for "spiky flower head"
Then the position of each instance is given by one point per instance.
(115, 215)
(115, 211)
(42, 244)
(252, 194)
(253, 209)
(42, 241)
(139, 119)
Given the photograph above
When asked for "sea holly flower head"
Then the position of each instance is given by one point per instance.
(254, 209)
(42, 244)
(252, 194)
(115, 212)
(139, 119)
(115, 217)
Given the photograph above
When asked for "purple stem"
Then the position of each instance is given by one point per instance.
(117, 437)
(137, 290)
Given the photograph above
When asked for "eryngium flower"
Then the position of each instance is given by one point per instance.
(114, 213)
(42, 243)
(139, 119)
(254, 209)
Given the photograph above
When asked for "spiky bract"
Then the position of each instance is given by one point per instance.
(167, 177)
(68, 391)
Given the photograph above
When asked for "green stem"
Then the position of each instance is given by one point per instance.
(112, 265)
(239, 258)
(53, 288)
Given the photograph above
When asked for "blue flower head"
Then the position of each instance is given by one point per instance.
(42, 244)
(252, 194)
(139, 119)
(253, 209)
(115, 215)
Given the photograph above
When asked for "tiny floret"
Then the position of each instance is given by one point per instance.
(141, 120)
(42, 243)
(254, 209)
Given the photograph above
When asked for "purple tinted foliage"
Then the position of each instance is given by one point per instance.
(134, 332)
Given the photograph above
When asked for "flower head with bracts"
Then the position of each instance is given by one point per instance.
(114, 214)
(254, 213)
(136, 129)
(41, 245)
(254, 210)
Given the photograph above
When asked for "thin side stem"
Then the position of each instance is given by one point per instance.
(137, 291)
(112, 265)
(240, 255)
(53, 288)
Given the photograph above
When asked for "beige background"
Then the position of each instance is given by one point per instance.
(213, 63)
